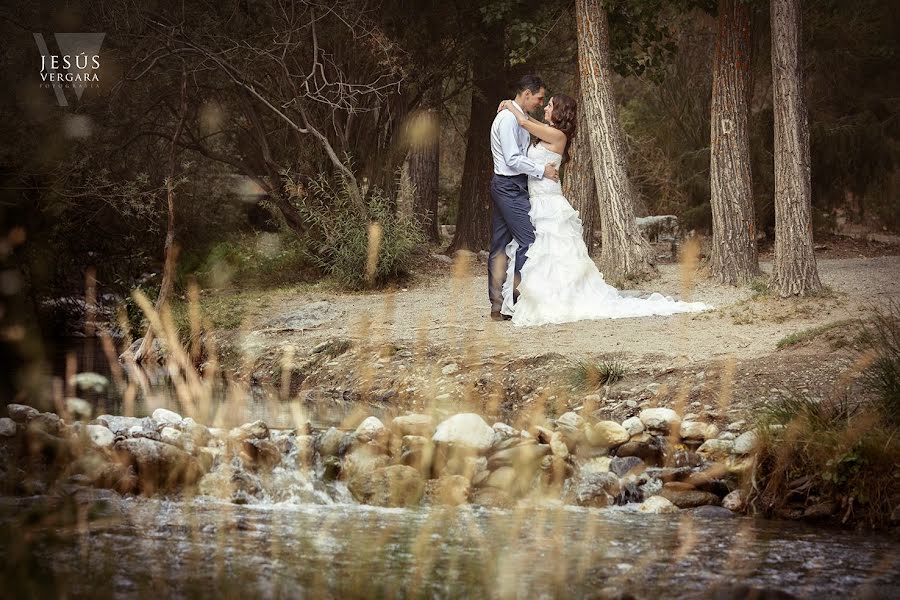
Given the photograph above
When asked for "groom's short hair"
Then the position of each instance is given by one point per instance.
(532, 83)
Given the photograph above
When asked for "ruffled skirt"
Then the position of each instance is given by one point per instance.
(560, 283)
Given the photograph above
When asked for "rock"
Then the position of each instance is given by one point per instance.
(715, 449)
(414, 424)
(261, 455)
(256, 430)
(100, 436)
(493, 498)
(80, 409)
(660, 420)
(657, 505)
(465, 429)
(737, 426)
(728, 435)
(734, 501)
(118, 424)
(653, 450)
(397, 485)
(329, 442)
(21, 413)
(450, 369)
(819, 511)
(694, 430)
(505, 431)
(166, 417)
(746, 442)
(596, 465)
(370, 429)
(363, 459)
(503, 478)
(558, 446)
(742, 591)
(452, 490)
(623, 465)
(140, 432)
(196, 432)
(158, 466)
(91, 382)
(570, 422)
(606, 434)
(521, 457)
(596, 489)
(46, 422)
(170, 435)
(711, 512)
(633, 426)
(7, 427)
(689, 498)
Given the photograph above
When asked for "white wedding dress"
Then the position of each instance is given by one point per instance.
(560, 283)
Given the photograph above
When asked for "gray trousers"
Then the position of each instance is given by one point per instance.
(510, 220)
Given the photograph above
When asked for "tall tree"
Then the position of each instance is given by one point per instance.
(794, 271)
(624, 252)
(472, 229)
(578, 179)
(733, 256)
(424, 159)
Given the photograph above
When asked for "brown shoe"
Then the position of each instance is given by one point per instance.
(496, 315)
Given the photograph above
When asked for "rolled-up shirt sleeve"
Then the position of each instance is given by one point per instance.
(513, 157)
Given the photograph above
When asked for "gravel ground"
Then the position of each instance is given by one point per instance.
(447, 310)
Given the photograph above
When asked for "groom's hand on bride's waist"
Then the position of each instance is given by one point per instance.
(551, 172)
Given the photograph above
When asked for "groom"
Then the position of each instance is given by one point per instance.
(509, 189)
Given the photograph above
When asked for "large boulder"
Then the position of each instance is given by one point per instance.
(7, 427)
(164, 416)
(688, 498)
(605, 434)
(397, 485)
(414, 424)
(657, 505)
(370, 429)
(123, 425)
(21, 413)
(100, 436)
(746, 442)
(660, 420)
(465, 429)
(158, 466)
(595, 489)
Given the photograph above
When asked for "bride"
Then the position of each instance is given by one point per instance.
(559, 281)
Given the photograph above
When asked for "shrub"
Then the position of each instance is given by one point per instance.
(339, 234)
(585, 375)
(882, 377)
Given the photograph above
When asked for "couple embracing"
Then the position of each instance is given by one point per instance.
(539, 270)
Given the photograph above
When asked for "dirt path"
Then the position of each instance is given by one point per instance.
(453, 311)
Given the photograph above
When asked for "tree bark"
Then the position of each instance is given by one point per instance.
(474, 214)
(794, 271)
(624, 253)
(578, 179)
(733, 256)
(170, 249)
(424, 160)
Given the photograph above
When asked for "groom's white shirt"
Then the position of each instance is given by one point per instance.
(509, 145)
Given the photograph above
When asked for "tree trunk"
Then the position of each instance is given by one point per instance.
(171, 250)
(424, 158)
(624, 252)
(733, 256)
(794, 271)
(578, 179)
(474, 215)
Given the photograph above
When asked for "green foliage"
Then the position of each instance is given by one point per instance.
(254, 260)
(339, 234)
(882, 336)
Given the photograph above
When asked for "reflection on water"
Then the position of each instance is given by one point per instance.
(184, 549)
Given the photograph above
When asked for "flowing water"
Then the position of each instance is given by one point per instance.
(164, 548)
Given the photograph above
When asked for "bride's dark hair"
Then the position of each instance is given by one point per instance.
(564, 117)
